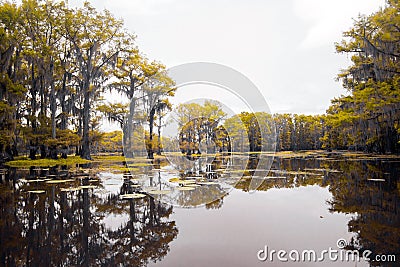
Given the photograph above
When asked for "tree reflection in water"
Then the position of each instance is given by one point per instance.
(369, 189)
(66, 228)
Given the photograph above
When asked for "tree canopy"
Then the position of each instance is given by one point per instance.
(368, 117)
(56, 63)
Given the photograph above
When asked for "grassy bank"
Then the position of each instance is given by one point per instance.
(26, 162)
(115, 160)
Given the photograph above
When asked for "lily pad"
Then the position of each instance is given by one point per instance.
(185, 188)
(377, 180)
(132, 196)
(315, 169)
(34, 181)
(207, 183)
(159, 192)
(193, 185)
(59, 181)
(70, 189)
(175, 180)
(37, 191)
(187, 182)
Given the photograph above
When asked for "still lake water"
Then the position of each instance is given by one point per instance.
(307, 204)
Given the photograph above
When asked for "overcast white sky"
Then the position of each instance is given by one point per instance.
(285, 47)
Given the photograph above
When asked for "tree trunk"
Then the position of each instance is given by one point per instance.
(43, 151)
(53, 104)
(150, 150)
(64, 152)
(62, 93)
(9, 153)
(128, 128)
(32, 151)
(85, 152)
(53, 152)
(159, 137)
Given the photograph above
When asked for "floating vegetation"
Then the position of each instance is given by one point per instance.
(159, 192)
(377, 180)
(70, 189)
(71, 160)
(36, 191)
(186, 182)
(108, 158)
(139, 164)
(335, 171)
(311, 174)
(322, 170)
(59, 181)
(132, 196)
(207, 183)
(34, 181)
(125, 169)
(315, 169)
(185, 188)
